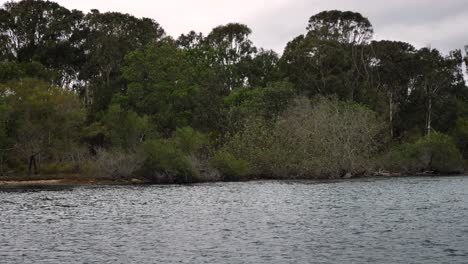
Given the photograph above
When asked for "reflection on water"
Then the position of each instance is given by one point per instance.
(398, 220)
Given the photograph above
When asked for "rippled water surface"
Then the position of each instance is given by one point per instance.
(397, 220)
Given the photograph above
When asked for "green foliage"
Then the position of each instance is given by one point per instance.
(328, 138)
(189, 140)
(331, 59)
(341, 26)
(159, 85)
(267, 102)
(181, 158)
(435, 152)
(320, 67)
(231, 167)
(206, 74)
(232, 51)
(165, 162)
(14, 71)
(44, 120)
(4, 120)
(460, 134)
(57, 168)
(122, 129)
(109, 38)
(270, 100)
(395, 65)
(176, 103)
(41, 31)
(263, 69)
(6, 142)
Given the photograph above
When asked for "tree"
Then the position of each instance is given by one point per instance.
(263, 69)
(43, 31)
(435, 153)
(266, 102)
(331, 58)
(466, 58)
(316, 66)
(353, 32)
(45, 119)
(438, 75)
(342, 26)
(326, 138)
(460, 134)
(393, 64)
(109, 37)
(209, 109)
(160, 85)
(342, 136)
(233, 49)
(16, 71)
(192, 40)
(122, 129)
(5, 138)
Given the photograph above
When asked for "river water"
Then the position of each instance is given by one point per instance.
(390, 220)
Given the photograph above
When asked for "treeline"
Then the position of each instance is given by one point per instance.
(113, 95)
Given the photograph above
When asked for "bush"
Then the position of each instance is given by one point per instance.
(117, 164)
(323, 139)
(88, 167)
(231, 167)
(267, 102)
(122, 129)
(436, 153)
(59, 168)
(165, 163)
(189, 140)
(202, 170)
(183, 158)
(67, 158)
(460, 135)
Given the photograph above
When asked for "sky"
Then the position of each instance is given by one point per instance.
(441, 24)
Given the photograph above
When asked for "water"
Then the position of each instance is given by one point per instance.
(395, 220)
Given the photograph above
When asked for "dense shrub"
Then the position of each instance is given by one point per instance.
(265, 102)
(183, 158)
(202, 169)
(435, 153)
(164, 162)
(326, 138)
(189, 140)
(460, 135)
(58, 168)
(231, 167)
(38, 122)
(121, 129)
(117, 164)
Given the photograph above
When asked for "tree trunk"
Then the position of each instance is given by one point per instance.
(87, 100)
(390, 112)
(429, 116)
(1, 166)
(32, 164)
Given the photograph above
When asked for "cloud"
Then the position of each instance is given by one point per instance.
(442, 24)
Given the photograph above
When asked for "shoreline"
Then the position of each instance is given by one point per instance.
(66, 180)
(61, 180)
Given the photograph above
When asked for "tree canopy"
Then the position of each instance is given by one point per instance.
(89, 84)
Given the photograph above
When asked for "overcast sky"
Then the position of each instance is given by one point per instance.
(443, 24)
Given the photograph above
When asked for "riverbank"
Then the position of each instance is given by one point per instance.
(72, 179)
(77, 179)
